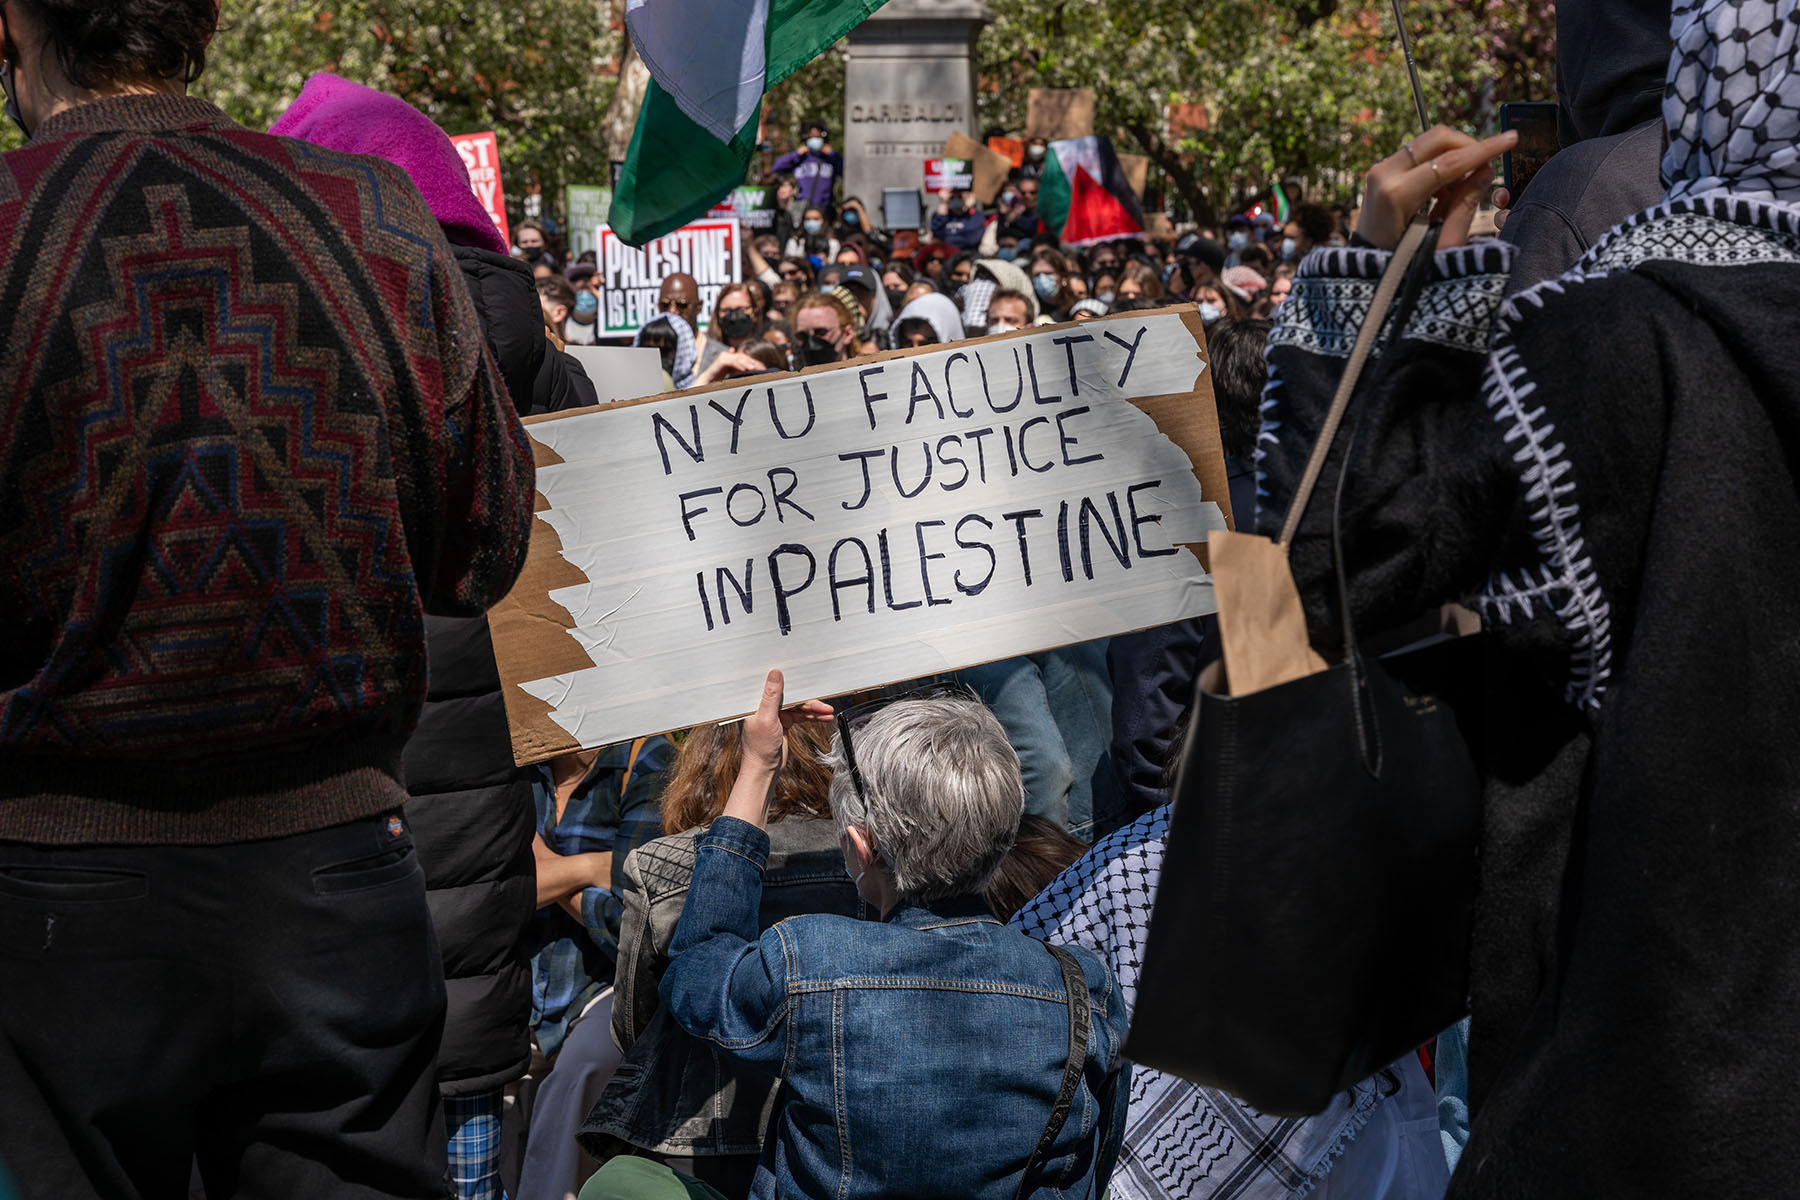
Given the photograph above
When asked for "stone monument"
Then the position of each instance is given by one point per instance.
(909, 82)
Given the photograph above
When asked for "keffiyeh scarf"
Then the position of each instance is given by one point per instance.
(682, 373)
(1182, 1141)
(1732, 104)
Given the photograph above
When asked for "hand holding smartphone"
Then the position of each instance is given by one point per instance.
(1538, 140)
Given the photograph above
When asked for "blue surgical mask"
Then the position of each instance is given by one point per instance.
(1288, 248)
(1238, 240)
(1105, 298)
(586, 303)
(1044, 284)
(815, 143)
(1210, 312)
(1007, 253)
(812, 225)
(850, 217)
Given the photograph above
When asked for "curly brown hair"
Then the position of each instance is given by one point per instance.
(708, 765)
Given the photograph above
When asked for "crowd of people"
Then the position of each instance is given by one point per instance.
(280, 916)
(823, 281)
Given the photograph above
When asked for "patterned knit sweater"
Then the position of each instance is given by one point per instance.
(249, 433)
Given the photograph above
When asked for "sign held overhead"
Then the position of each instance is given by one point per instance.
(481, 158)
(631, 276)
(858, 524)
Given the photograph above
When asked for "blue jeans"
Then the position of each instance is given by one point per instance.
(1056, 708)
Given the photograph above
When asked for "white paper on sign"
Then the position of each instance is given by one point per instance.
(878, 522)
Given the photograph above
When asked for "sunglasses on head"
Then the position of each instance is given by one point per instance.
(855, 716)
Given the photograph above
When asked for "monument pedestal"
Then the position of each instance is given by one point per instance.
(909, 82)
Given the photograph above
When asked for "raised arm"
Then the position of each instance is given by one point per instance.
(725, 985)
(1428, 497)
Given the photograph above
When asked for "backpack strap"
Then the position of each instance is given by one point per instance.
(1080, 1034)
(637, 748)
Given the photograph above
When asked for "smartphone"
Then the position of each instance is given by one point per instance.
(1538, 140)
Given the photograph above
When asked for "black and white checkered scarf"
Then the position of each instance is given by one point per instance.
(1732, 104)
(1183, 1141)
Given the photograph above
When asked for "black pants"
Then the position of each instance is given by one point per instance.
(271, 1009)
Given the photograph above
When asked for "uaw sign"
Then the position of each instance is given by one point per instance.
(859, 524)
(631, 276)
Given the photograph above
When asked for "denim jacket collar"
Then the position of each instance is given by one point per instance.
(938, 914)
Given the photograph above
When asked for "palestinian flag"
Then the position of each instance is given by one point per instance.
(1084, 196)
(710, 62)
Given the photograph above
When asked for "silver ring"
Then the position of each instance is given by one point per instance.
(1407, 146)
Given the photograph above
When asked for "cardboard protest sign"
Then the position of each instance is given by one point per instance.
(859, 524)
(481, 157)
(748, 205)
(1137, 171)
(953, 173)
(989, 167)
(630, 276)
(1058, 113)
(620, 372)
(587, 212)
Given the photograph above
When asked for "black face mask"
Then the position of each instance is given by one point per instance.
(735, 324)
(896, 298)
(958, 208)
(815, 351)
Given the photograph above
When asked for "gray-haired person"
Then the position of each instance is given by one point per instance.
(935, 1052)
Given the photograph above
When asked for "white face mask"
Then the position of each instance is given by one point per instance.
(1036, 152)
(815, 143)
(1210, 312)
(1289, 248)
(1001, 327)
(855, 876)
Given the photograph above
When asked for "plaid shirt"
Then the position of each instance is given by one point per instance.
(574, 962)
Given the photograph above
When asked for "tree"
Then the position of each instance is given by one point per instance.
(540, 73)
(1287, 88)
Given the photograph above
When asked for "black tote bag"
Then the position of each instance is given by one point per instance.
(1312, 920)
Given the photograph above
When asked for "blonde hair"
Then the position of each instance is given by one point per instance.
(837, 304)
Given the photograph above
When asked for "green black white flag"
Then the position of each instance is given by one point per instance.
(710, 62)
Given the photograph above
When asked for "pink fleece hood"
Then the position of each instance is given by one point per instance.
(340, 115)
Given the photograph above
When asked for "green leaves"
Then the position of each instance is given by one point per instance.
(1285, 88)
(538, 72)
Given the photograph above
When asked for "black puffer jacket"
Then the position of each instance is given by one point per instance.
(471, 813)
(544, 379)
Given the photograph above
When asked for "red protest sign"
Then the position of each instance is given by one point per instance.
(481, 156)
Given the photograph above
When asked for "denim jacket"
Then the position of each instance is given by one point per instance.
(674, 1094)
(919, 1056)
